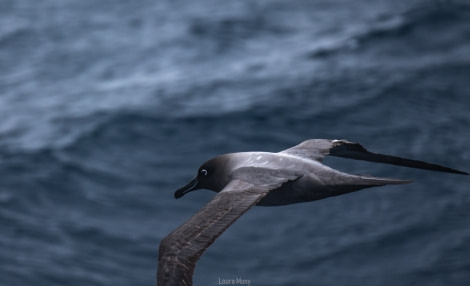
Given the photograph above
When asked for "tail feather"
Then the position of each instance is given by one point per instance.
(355, 183)
(376, 181)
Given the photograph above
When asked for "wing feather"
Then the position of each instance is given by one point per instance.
(317, 149)
(181, 249)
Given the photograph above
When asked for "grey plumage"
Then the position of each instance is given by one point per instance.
(244, 179)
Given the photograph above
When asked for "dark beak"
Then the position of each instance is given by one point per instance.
(191, 186)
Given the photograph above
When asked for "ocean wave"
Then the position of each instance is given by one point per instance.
(228, 32)
(428, 19)
(403, 27)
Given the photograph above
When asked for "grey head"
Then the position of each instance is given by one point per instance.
(211, 175)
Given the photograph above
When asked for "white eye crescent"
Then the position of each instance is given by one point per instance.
(204, 172)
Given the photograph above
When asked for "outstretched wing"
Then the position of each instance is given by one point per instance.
(181, 249)
(316, 149)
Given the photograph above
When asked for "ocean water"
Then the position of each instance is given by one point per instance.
(107, 107)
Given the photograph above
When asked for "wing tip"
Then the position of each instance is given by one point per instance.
(460, 172)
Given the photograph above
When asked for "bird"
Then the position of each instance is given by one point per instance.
(245, 179)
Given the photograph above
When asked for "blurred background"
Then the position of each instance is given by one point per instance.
(107, 107)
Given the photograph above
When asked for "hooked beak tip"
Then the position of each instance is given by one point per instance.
(179, 194)
(191, 186)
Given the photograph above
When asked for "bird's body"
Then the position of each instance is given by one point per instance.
(311, 180)
(245, 179)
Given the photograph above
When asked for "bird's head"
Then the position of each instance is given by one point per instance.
(212, 175)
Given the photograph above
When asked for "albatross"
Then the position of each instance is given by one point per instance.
(242, 180)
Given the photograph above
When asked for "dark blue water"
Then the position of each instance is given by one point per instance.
(106, 108)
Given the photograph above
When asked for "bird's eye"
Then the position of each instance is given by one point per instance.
(204, 172)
